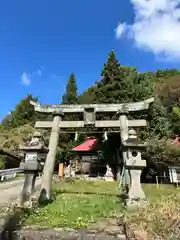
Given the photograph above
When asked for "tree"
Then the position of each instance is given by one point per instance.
(174, 118)
(88, 96)
(2, 161)
(107, 89)
(71, 95)
(22, 114)
(122, 84)
(111, 68)
(167, 73)
(118, 84)
(159, 125)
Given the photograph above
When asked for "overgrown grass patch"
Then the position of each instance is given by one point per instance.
(77, 204)
(161, 219)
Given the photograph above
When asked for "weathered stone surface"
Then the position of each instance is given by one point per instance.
(66, 235)
(109, 175)
(67, 172)
(135, 191)
(136, 106)
(28, 187)
(46, 187)
(97, 124)
(31, 165)
(133, 163)
(140, 235)
(134, 204)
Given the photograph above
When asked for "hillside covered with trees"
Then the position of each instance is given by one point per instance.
(118, 84)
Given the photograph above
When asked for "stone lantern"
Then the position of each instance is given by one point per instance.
(34, 152)
(134, 165)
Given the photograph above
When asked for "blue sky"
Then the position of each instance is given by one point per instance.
(43, 41)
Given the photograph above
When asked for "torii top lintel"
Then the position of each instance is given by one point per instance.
(130, 107)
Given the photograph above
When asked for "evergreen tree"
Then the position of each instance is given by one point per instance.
(158, 123)
(111, 69)
(71, 95)
(87, 97)
(65, 140)
(108, 87)
(119, 84)
(122, 84)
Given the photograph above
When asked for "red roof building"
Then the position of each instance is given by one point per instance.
(87, 146)
(87, 151)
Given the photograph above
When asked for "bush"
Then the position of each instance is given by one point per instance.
(163, 151)
(2, 161)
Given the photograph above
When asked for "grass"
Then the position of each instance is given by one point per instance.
(19, 176)
(77, 204)
(161, 219)
(11, 139)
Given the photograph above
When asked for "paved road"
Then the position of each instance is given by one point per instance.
(9, 191)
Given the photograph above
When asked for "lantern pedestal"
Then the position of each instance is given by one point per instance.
(34, 152)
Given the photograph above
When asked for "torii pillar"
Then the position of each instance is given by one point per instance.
(46, 186)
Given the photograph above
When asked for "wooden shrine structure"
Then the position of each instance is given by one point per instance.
(130, 146)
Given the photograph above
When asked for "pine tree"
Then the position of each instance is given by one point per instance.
(111, 69)
(110, 87)
(119, 84)
(71, 95)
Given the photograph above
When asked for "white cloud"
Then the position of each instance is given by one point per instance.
(156, 27)
(25, 79)
(121, 28)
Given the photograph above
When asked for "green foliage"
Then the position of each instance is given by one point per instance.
(176, 111)
(169, 92)
(118, 84)
(22, 114)
(110, 88)
(88, 96)
(111, 68)
(77, 204)
(163, 151)
(159, 125)
(174, 119)
(2, 161)
(11, 138)
(167, 73)
(66, 140)
(70, 96)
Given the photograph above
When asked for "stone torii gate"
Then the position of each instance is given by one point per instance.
(89, 111)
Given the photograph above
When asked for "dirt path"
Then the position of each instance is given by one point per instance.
(9, 191)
